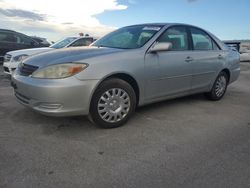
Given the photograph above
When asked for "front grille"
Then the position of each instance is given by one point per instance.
(7, 58)
(26, 70)
(6, 69)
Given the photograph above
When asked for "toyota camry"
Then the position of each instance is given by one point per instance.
(130, 67)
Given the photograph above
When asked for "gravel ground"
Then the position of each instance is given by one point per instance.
(186, 142)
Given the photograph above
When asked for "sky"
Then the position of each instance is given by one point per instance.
(227, 19)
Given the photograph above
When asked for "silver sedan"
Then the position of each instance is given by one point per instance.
(130, 67)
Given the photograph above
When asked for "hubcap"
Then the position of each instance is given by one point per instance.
(114, 105)
(220, 86)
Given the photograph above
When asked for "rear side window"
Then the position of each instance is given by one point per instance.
(178, 36)
(7, 37)
(201, 40)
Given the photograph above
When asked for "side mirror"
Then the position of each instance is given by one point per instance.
(161, 46)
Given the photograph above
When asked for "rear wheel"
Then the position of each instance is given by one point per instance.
(112, 104)
(219, 88)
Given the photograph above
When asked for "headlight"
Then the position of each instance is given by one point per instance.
(20, 58)
(59, 70)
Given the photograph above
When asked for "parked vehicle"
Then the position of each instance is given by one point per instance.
(245, 56)
(13, 58)
(11, 40)
(234, 45)
(242, 47)
(130, 67)
(42, 41)
(245, 51)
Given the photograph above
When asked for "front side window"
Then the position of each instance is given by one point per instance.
(128, 37)
(201, 40)
(177, 36)
(24, 40)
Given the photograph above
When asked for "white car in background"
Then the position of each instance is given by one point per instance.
(13, 58)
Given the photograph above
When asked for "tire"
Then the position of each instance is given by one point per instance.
(219, 87)
(112, 104)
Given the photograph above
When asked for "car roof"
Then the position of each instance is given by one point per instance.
(8, 30)
(164, 24)
(11, 31)
(78, 37)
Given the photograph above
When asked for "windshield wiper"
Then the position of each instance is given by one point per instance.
(100, 46)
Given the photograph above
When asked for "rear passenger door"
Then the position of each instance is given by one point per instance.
(207, 58)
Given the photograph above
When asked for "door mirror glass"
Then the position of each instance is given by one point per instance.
(161, 46)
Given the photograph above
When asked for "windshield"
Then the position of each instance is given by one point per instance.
(64, 42)
(130, 37)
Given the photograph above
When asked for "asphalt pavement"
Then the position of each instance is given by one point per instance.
(186, 142)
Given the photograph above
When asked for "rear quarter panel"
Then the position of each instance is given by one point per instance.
(233, 64)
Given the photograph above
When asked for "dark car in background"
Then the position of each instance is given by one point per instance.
(12, 40)
(43, 41)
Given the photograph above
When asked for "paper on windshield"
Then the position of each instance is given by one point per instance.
(152, 28)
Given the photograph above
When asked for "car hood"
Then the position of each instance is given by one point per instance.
(67, 55)
(30, 51)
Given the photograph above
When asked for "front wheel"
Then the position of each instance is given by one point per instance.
(219, 88)
(112, 104)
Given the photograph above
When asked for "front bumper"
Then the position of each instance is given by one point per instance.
(9, 67)
(54, 97)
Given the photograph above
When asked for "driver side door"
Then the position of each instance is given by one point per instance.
(169, 73)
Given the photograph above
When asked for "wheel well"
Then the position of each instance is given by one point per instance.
(129, 79)
(227, 72)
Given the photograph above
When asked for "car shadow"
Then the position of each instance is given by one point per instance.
(172, 102)
(67, 125)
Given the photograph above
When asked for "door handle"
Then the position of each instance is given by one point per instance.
(188, 59)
